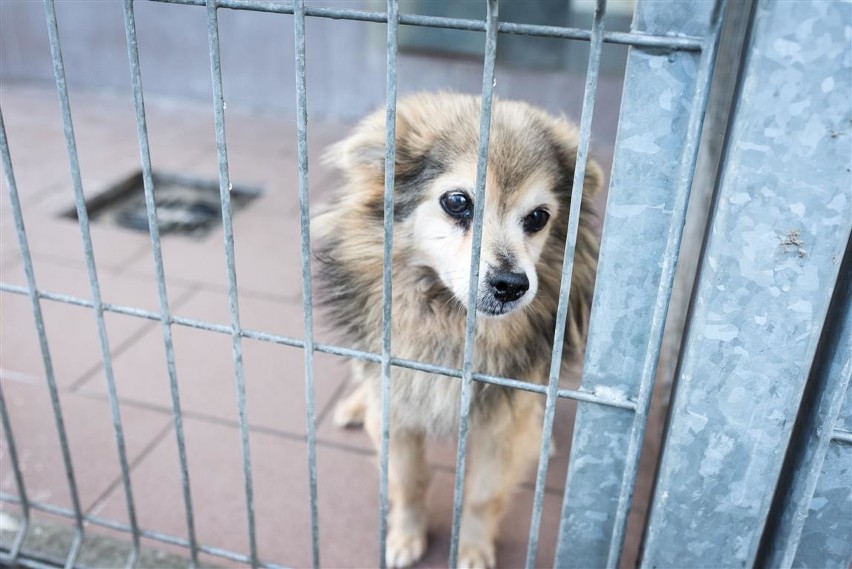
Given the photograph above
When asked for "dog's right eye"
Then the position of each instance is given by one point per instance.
(457, 204)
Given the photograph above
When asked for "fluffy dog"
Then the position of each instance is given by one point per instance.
(528, 191)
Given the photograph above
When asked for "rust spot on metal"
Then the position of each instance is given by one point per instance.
(792, 241)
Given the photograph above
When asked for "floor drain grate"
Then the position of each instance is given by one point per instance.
(185, 206)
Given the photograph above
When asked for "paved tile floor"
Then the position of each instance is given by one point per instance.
(262, 153)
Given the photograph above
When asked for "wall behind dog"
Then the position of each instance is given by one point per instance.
(345, 59)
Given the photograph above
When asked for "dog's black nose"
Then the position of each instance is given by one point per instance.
(508, 286)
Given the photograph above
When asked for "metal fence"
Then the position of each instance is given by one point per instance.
(740, 383)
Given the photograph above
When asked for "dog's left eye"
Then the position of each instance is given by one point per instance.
(457, 204)
(536, 220)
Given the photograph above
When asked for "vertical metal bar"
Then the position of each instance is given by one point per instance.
(488, 83)
(228, 230)
(11, 558)
(154, 230)
(649, 366)
(825, 539)
(720, 99)
(567, 268)
(769, 266)
(387, 269)
(35, 302)
(633, 287)
(83, 219)
(307, 290)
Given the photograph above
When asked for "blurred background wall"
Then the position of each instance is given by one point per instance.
(345, 59)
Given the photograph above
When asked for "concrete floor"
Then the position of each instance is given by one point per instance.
(262, 153)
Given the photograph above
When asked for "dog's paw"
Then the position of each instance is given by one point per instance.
(349, 413)
(346, 417)
(404, 548)
(478, 555)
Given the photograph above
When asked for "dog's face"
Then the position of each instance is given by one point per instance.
(516, 224)
(527, 191)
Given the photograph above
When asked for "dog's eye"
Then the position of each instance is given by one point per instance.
(457, 204)
(536, 220)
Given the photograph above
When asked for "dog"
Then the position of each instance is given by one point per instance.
(528, 185)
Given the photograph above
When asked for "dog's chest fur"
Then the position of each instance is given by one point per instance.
(429, 327)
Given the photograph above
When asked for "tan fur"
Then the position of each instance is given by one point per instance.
(531, 154)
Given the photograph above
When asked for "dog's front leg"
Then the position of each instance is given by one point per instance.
(501, 453)
(408, 480)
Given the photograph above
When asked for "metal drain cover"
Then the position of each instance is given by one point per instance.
(185, 206)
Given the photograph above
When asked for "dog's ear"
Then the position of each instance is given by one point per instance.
(363, 151)
(566, 138)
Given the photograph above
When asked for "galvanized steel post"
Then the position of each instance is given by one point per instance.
(662, 108)
(810, 523)
(782, 222)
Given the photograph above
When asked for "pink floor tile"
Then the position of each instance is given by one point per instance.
(71, 330)
(266, 258)
(105, 134)
(39, 156)
(70, 279)
(274, 376)
(276, 173)
(260, 313)
(52, 235)
(90, 435)
(347, 502)
(279, 467)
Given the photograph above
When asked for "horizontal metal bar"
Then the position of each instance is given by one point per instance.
(680, 43)
(842, 436)
(30, 561)
(589, 397)
(149, 534)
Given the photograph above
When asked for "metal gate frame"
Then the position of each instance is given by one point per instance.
(671, 60)
(770, 320)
